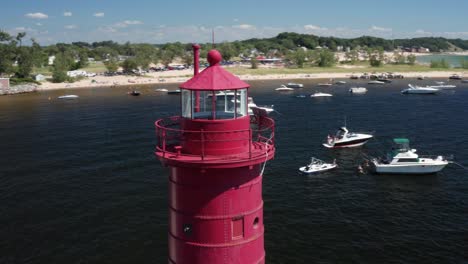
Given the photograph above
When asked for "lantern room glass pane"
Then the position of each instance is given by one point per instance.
(204, 110)
(241, 106)
(225, 104)
(186, 104)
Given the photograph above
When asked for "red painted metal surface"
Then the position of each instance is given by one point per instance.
(196, 59)
(196, 69)
(215, 185)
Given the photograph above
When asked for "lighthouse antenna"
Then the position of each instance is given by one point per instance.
(212, 38)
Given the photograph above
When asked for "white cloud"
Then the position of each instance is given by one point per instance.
(38, 24)
(376, 28)
(67, 14)
(235, 20)
(125, 24)
(244, 26)
(100, 14)
(37, 15)
(312, 27)
(132, 22)
(22, 29)
(71, 26)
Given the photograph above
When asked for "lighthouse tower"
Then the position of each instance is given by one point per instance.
(216, 153)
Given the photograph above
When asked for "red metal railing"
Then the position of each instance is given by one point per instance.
(171, 137)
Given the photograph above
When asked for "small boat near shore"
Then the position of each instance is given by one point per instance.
(294, 85)
(376, 82)
(284, 88)
(340, 82)
(455, 77)
(419, 90)
(384, 80)
(68, 97)
(161, 90)
(404, 160)
(317, 165)
(324, 84)
(174, 92)
(134, 93)
(358, 90)
(318, 94)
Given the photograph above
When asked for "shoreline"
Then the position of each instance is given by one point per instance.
(184, 75)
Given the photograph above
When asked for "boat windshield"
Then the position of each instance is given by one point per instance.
(400, 145)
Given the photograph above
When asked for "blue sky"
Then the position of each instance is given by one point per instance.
(155, 21)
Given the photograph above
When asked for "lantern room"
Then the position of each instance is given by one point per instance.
(214, 94)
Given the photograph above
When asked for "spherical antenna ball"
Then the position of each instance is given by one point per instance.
(214, 57)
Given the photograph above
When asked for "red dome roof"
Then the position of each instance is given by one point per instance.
(214, 77)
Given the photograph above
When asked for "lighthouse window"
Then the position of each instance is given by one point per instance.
(224, 104)
(241, 106)
(255, 222)
(187, 228)
(186, 104)
(202, 104)
(238, 227)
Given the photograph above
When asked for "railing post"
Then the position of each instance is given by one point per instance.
(164, 142)
(202, 135)
(250, 143)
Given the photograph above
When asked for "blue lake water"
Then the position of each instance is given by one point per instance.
(79, 182)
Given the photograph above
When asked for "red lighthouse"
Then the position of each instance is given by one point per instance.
(216, 153)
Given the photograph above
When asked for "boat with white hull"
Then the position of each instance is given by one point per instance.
(404, 160)
(419, 90)
(321, 95)
(68, 97)
(442, 85)
(317, 165)
(251, 105)
(294, 85)
(358, 90)
(283, 88)
(345, 139)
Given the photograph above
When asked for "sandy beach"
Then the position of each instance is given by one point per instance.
(183, 75)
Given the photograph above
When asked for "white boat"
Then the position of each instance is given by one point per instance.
(376, 82)
(340, 82)
(325, 84)
(419, 90)
(161, 90)
(358, 90)
(284, 88)
(345, 139)
(317, 165)
(68, 96)
(320, 95)
(442, 85)
(251, 104)
(455, 77)
(294, 85)
(404, 160)
(174, 92)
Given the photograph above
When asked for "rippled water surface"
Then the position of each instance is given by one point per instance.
(79, 182)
